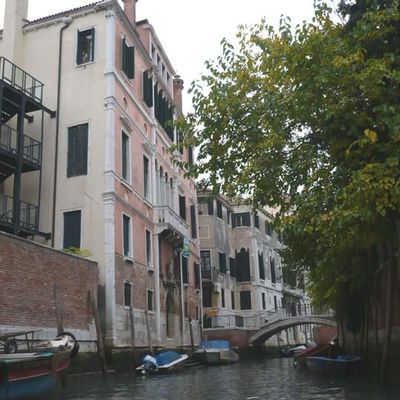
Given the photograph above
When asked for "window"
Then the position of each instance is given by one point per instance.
(146, 177)
(243, 266)
(85, 51)
(263, 301)
(147, 89)
(77, 150)
(127, 294)
(256, 220)
(185, 272)
(190, 155)
(245, 300)
(193, 224)
(232, 267)
(150, 300)
(261, 265)
(182, 207)
(232, 299)
(186, 310)
(273, 274)
(240, 219)
(219, 209)
(72, 229)
(268, 228)
(228, 217)
(207, 295)
(148, 249)
(205, 257)
(128, 59)
(223, 298)
(125, 157)
(197, 275)
(222, 262)
(126, 221)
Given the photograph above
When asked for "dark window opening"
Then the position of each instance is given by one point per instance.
(228, 217)
(245, 300)
(233, 300)
(264, 306)
(72, 229)
(261, 266)
(190, 155)
(186, 310)
(85, 51)
(210, 204)
(240, 219)
(77, 150)
(232, 267)
(185, 271)
(243, 266)
(125, 156)
(128, 59)
(150, 300)
(205, 258)
(193, 221)
(127, 235)
(197, 275)
(182, 207)
(219, 209)
(146, 185)
(223, 298)
(222, 262)
(148, 248)
(256, 220)
(268, 228)
(273, 273)
(127, 294)
(147, 89)
(207, 296)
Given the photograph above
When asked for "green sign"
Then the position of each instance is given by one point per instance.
(185, 250)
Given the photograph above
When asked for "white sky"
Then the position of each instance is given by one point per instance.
(191, 30)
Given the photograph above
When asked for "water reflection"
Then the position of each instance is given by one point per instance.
(248, 380)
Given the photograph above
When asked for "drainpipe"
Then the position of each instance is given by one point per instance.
(66, 21)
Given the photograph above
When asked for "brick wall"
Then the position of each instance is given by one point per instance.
(28, 273)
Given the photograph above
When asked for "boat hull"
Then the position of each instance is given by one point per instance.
(341, 364)
(216, 356)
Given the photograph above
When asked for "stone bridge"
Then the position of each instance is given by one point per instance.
(273, 327)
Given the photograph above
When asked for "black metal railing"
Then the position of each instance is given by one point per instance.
(21, 80)
(8, 142)
(28, 215)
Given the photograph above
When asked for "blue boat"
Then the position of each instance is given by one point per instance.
(165, 362)
(215, 352)
(341, 363)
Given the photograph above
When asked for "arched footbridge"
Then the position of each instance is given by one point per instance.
(271, 328)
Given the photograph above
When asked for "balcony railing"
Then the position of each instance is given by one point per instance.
(8, 142)
(21, 80)
(28, 213)
(165, 215)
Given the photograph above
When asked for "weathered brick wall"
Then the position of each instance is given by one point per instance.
(28, 273)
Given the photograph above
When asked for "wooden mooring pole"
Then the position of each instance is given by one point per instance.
(191, 335)
(99, 335)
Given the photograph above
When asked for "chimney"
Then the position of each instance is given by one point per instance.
(178, 87)
(16, 13)
(130, 11)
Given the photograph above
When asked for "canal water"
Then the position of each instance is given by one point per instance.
(261, 378)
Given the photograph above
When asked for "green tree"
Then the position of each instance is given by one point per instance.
(308, 120)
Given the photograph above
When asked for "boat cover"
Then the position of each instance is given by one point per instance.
(167, 357)
(215, 344)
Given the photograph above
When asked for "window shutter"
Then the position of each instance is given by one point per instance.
(193, 221)
(72, 229)
(128, 60)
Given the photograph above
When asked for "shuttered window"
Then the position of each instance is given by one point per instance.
(72, 229)
(125, 156)
(85, 50)
(245, 300)
(150, 300)
(146, 182)
(264, 306)
(222, 262)
(127, 294)
(148, 249)
(127, 235)
(147, 89)
(223, 298)
(261, 265)
(185, 272)
(77, 158)
(193, 221)
(182, 207)
(232, 267)
(197, 275)
(243, 266)
(256, 221)
(240, 219)
(232, 299)
(273, 273)
(128, 59)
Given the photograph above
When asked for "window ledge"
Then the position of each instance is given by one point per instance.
(84, 65)
(125, 183)
(128, 259)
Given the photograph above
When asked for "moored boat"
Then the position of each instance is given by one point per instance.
(32, 375)
(341, 363)
(165, 362)
(215, 352)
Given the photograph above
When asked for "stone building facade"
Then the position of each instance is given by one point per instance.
(107, 183)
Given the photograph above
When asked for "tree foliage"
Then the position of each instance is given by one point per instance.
(307, 119)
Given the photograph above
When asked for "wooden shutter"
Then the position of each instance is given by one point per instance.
(77, 157)
(193, 221)
(72, 229)
(128, 59)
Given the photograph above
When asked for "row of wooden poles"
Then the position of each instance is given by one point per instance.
(99, 334)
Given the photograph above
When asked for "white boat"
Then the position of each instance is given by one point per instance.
(165, 362)
(215, 352)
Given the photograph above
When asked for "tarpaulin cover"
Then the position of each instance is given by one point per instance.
(215, 344)
(167, 357)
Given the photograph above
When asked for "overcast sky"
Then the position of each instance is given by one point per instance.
(191, 30)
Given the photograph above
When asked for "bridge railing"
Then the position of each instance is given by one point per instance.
(258, 319)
